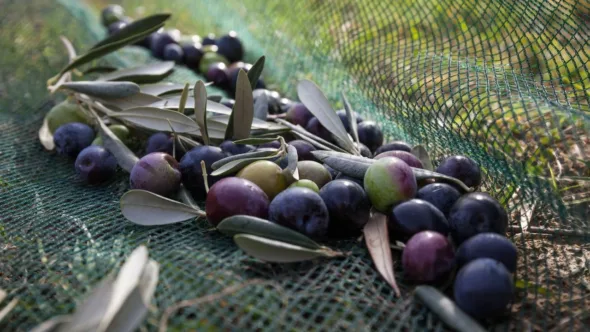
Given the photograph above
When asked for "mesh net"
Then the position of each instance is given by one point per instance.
(505, 82)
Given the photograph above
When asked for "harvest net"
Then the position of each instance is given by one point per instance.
(504, 82)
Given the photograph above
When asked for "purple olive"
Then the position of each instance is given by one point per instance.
(156, 172)
(232, 196)
(428, 257)
(407, 157)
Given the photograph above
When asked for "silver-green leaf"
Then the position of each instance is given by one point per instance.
(317, 103)
(377, 240)
(446, 309)
(351, 115)
(291, 172)
(253, 154)
(157, 119)
(183, 98)
(137, 100)
(125, 157)
(303, 134)
(243, 224)
(150, 73)
(103, 89)
(243, 111)
(255, 141)
(201, 109)
(148, 209)
(173, 103)
(45, 136)
(236, 165)
(277, 251)
(159, 89)
(420, 152)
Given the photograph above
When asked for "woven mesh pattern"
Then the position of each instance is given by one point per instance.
(505, 82)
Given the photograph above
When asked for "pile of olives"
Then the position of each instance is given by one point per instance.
(217, 59)
(444, 228)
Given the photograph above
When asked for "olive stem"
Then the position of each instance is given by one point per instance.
(204, 170)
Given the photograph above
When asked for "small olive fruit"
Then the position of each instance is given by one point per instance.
(65, 112)
(156, 172)
(389, 181)
(266, 175)
(314, 171)
(304, 183)
(120, 131)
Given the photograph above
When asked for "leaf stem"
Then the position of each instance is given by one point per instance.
(204, 170)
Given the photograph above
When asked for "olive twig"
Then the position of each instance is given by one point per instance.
(204, 170)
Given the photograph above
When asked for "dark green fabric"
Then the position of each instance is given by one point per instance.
(505, 82)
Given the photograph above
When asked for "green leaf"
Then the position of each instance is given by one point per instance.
(215, 98)
(317, 103)
(45, 136)
(157, 119)
(134, 28)
(130, 34)
(309, 137)
(291, 172)
(200, 93)
(356, 166)
(236, 165)
(7, 309)
(148, 209)
(99, 69)
(185, 196)
(150, 73)
(377, 240)
(446, 309)
(255, 141)
(240, 121)
(174, 102)
(125, 157)
(187, 141)
(420, 152)
(103, 89)
(255, 72)
(277, 251)
(261, 107)
(89, 314)
(183, 98)
(253, 154)
(137, 100)
(242, 224)
(351, 115)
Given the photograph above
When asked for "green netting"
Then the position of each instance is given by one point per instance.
(505, 82)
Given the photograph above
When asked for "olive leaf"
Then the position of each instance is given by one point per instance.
(303, 134)
(54, 324)
(446, 309)
(137, 100)
(88, 315)
(185, 196)
(99, 69)
(103, 89)
(214, 98)
(148, 209)
(243, 224)
(135, 308)
(151, 73)
(183, 98)
(253, 154)
(347, 164)
(125, 157)
(45, 135)
(240, 120)
(257, 124)
(351, 115)
(356, 166)
(158, 89)
(255, 72)
(420, 152)
(185, 141)
(130, 34)
(317, 103)
(255, 140)
(200, 93)
(173, 103)
(157, 119)
(377, 240)
(69, 47)
(291, 172)
(261, 107)
(278, 251)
